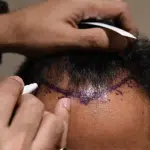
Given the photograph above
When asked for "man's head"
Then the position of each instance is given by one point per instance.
(109, 95)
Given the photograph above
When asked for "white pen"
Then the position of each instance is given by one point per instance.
(30, 88)
(115, 29)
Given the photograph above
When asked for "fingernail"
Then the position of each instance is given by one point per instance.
(66, 103)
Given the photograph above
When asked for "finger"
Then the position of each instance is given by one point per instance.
(109, 10)
(50, 132)
(10, 90)
(62, 111)
(28, 117)
(98, 38)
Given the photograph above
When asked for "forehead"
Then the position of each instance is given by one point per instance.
(121, 101)
(119, 116)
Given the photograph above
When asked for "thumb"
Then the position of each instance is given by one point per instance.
(62, 110)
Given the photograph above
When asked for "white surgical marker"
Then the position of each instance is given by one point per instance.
(115, 29)
(30, 88)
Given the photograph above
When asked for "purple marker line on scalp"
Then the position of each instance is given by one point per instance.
(84, 98)
(56, 89)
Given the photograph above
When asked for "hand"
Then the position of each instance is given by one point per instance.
(31, 128)
(54, 24)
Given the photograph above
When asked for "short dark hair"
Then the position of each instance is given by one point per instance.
(90, 67)
(3, 7)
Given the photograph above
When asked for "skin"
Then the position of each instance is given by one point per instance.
(57, 27)
(31, 123)
(49, 25)
(121, 123)
(25, 28)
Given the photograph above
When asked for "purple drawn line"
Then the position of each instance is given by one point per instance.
(56, 89)
(81, 95)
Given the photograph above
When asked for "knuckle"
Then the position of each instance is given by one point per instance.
(92, 40)
(16, 80)
(14, 85)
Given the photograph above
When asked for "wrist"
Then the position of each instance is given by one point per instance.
(8, 30)
(17, 28)
(22, 29)
(12, 32)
